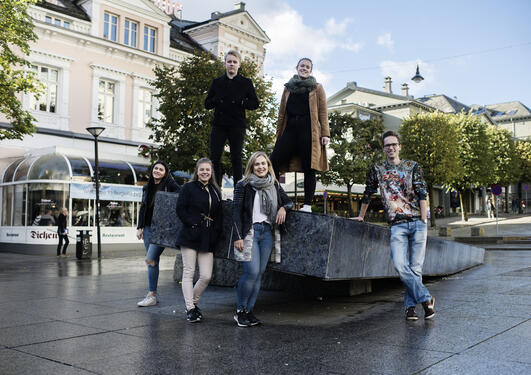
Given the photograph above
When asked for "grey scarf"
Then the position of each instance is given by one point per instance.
(265, 187)
(297, 85)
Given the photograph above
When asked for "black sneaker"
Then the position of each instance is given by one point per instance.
(253, 320)
(192, 316)
(429, 312)
(241, 318)
(411, 314)
(199, 313)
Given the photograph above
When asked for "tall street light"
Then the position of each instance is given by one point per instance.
(96, 131)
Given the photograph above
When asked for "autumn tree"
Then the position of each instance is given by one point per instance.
(356, 146)
(430, 140)
(16, 32)
(183, 131)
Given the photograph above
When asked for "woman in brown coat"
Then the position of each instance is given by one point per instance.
(302, 130)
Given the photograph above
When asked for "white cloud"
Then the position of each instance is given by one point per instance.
(385, 40)
(335, 28)
(402, 71)
(351, 46)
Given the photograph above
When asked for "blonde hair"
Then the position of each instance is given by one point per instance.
(234, 53)
(212, 180)
(250, 165)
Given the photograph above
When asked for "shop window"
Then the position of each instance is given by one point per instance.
(130, 31)
(114, 172)
(142, 174)
(145, 107)
(106, 95)
(10, 170)
(50, 167)
(45, 202)
(21, 174)
(7, 205)
(81, 213)
(150, 37)
(80, 169)
(116, 214)
(47, 101)
(19, 206)
(110, 26)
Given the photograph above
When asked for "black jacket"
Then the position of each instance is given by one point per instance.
(61, 223)
(196, 231)
(242, 207)
(230, 98)
(171, 186)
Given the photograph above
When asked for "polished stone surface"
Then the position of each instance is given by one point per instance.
(64, 316)
(323, 246)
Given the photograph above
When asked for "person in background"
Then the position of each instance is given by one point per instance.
(160, 179)
(201, 212)
(62, 232)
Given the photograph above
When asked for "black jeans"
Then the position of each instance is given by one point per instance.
(297, 141)
(218, 136)
(61, 238)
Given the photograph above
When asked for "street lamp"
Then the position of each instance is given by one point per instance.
(96, 131)
(417, 77)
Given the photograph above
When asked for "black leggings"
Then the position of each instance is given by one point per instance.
(61, 238)
(218, 136)
(297, 141)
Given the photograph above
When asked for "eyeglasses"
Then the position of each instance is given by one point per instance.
(389, 145)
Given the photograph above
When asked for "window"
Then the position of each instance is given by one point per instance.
(110, 26)
(145, 107)
(116, 213)
(130, 31)
(44, 203)
(66, 24)
(106, 101)
(57, 22)
(48, 19)
(149, 39)
(47, 102)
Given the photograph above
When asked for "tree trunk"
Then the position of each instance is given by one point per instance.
(464, 215)
(349, 192)
(507, 199)
(520, 198)
(432, 208)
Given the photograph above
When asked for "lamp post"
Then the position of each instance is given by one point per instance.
(417, 77)
(96, 131)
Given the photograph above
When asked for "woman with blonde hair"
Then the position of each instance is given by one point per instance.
(259, 207)
(200, 209)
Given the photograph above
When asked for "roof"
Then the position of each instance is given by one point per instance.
(69, 7)
(444, 103)
(180, 40)
(508, 110)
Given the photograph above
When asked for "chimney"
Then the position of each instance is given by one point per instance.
(387, 86)
(239, 6)
(405, 89)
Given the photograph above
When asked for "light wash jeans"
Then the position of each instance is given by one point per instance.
(408, 247)
(251, 280)
(153, 253)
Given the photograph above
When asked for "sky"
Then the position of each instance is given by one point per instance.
(478, 52)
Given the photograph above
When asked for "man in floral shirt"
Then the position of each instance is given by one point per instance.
(403, 193)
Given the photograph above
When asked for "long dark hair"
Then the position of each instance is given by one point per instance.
(163, 181)
(212, 180)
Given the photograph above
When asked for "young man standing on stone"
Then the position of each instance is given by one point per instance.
(403, 193)
(230, 95)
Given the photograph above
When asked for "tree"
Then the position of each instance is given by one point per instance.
(523, 148)
(183, 131)
(430, 140)
(474, 156)
(16, 31)
(507, 162)
(356, 146)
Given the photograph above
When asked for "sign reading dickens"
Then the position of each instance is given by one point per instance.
(43, 235)
(107, 192)
(169, 7)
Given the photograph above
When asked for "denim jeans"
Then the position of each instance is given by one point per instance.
(251, 280)
(153, 253)
(408, 247)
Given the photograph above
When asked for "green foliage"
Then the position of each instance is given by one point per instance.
(16, 31)
(184, 128)
(507, 163)
(430, 140)
(356, 147)
(523, 148)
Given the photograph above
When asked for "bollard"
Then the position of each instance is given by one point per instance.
(477, 231)
(445, 231)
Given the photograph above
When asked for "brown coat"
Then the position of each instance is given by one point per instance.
(319, 119)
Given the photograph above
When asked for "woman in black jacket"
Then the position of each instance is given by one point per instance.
(260, 205)
(159, 180)
(62, 232)
(200, 209)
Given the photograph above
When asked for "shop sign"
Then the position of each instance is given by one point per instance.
(107, 192)
(12, 234)
(41, 235)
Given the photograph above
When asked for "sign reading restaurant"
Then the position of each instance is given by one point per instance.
(169, 7)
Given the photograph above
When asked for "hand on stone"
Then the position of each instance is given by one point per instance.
(238, 244)
(281, 215)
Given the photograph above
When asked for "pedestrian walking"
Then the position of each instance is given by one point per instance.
(403, 191)
(259, 208)
(62, 232)
(302, 130)
(490, 208)
(200, 209)
(230, 95)
(160, 179)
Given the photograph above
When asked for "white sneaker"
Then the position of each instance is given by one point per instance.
(306, 208)
(150, 300)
